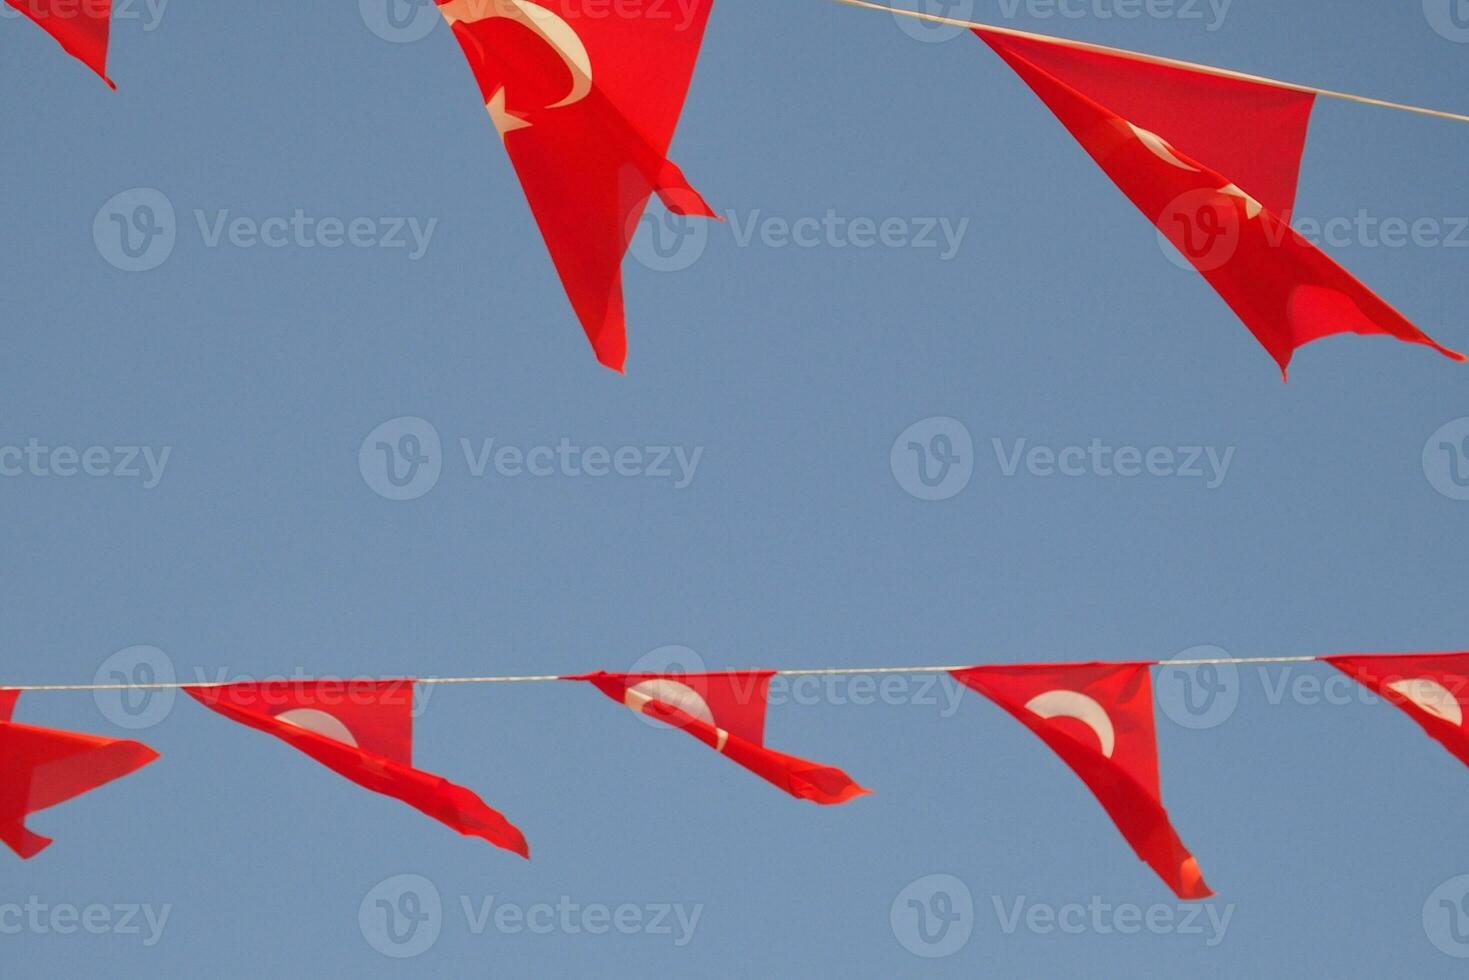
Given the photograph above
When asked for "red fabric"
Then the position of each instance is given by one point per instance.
(80, 26)
(589, 166)
(727, 713)
(1213, 162)
(325, 718)
(1099, 719)
(41, 767)
(1433, 688)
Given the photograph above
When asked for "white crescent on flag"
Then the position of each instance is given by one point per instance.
(319, 722)
(557, 33)
(1432, 697)
(1074, 704)
(676, 695)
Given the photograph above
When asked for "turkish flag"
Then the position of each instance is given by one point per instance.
(586, 102)
(80, 26)
(1433, 688)
(41, 767)
(362, 730)
(1099, 719)
(1213, 161)
(726, 711)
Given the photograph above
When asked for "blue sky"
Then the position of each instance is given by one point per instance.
(788, 376)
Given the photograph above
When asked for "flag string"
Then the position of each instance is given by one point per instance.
(1158, 60)
(541, 678)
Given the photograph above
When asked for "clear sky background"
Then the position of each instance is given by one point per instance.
(1327, 824)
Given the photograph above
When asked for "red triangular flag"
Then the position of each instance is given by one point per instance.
(726, 711)
(362, 730)
(41, 767)
(1099, 719)
(81, 27)
(1213, 161)
(1433, 688)
(586, 107)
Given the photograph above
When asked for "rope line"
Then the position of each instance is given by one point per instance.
(543, 678)
(1158, 60)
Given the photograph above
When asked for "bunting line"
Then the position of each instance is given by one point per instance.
(542, 678)
(1160, 60)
